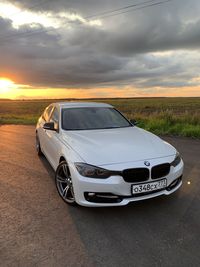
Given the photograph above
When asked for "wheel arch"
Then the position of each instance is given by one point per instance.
(62, 158)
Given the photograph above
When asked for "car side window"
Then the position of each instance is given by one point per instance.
(55, 115)
(47, 113)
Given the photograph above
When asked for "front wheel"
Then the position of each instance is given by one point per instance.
(64, 184)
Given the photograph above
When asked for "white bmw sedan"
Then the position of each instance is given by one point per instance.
(102, 159)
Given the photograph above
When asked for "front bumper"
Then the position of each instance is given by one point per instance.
(114, 191)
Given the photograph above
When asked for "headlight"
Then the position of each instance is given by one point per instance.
(92, 171)
(177, 160)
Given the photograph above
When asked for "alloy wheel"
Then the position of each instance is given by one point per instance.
(64, 183)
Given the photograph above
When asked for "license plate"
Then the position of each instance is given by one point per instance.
(149, 187)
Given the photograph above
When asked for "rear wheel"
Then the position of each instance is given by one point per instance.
(38, 147)
(64, 184)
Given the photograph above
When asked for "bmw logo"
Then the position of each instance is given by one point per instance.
(147, 163)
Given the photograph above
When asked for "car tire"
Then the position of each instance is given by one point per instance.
(38, 147)
(64, 184)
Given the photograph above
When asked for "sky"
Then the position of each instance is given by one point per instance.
(88, 49)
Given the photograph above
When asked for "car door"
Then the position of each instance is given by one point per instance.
(52, 143)
(41, 131)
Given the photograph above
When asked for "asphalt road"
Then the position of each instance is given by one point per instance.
(38, 229)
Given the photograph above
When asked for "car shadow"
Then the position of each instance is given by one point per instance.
(113, 236)
(47, 166)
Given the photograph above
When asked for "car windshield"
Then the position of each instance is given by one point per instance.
(90, 118)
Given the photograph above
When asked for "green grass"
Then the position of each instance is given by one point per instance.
(171, 116)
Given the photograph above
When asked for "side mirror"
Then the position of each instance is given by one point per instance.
(134, 122)
(49, 126)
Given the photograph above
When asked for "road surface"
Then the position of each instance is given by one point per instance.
(38, 229)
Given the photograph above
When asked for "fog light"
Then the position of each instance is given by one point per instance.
(174, 183)
(91, 194)
(101, 197)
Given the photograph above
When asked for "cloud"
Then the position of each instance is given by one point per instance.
(154, 47)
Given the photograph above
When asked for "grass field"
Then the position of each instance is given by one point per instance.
(171, 116)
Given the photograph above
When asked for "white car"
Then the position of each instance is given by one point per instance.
(102, 159)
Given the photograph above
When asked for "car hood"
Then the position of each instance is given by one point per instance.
(110, 146)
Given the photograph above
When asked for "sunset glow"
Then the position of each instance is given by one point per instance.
(10, 90)
(6, 86)
(81, 50)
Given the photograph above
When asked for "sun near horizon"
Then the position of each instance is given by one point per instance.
(5, 85)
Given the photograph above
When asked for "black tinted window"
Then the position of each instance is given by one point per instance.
(92, 118)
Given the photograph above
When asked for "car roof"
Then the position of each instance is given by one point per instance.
(71, 104)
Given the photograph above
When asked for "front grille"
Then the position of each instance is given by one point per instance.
(135, 175)
(160, 171)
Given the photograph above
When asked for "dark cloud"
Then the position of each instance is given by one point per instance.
(125, 50)
(85, 8)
